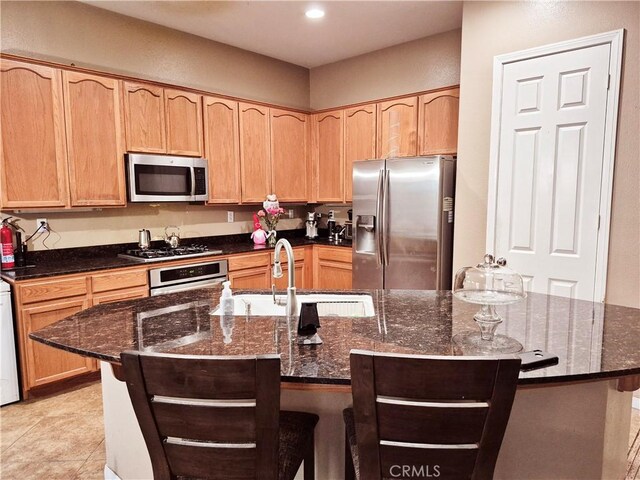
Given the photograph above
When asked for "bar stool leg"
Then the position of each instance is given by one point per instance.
(349, 470)
(310, 461)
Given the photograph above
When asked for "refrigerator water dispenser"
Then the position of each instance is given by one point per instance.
(366, 234)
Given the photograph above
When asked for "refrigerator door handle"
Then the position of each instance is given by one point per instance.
(384, 220)
(379, 219)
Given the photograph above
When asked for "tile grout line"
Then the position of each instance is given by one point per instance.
(27, 431)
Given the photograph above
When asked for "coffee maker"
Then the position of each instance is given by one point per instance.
(312, 225)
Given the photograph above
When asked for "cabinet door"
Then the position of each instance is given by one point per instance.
(300, 256)
(144, 118)
(45, 364)
(283, 282)
(255, 156)
(289, 155)
(95, 139)
(398, 128)
(222, 149)
(438, 123)
(33, 152)
(333, 276)
(183, 113)
(329, 158)
(251, 279)
(359, 141)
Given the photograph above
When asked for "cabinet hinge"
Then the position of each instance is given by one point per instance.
(599, 218)
(609, 82)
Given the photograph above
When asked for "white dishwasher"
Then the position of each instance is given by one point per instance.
(9, 390)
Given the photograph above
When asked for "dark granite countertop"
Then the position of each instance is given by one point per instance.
(592, 340)
(50, 263)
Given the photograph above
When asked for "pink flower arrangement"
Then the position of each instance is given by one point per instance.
(269, 216)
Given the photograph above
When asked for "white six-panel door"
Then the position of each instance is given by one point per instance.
(550, 167)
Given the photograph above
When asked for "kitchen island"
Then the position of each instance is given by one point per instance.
(568, 421)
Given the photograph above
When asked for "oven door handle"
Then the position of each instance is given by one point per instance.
(187, 286)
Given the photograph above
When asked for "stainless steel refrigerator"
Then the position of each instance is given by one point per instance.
(403, 223)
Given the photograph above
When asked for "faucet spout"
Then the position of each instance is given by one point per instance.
(292, 302)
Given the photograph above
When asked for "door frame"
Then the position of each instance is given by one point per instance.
(615, 40)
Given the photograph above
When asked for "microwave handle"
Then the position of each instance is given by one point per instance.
(193, 181)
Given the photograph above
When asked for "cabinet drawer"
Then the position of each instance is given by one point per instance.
(334, 254)
(53, 289)
(119, 295)
(118, 280)
(251, 260)
(298, 255)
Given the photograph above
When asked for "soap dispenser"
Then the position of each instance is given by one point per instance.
(226, 299)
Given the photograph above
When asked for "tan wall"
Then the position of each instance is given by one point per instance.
(79, 229)
(423, 64)
(91, 37)
(493, 28)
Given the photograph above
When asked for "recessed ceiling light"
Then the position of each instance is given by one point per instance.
(314, 13)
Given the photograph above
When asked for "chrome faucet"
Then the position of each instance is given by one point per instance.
(292, 302)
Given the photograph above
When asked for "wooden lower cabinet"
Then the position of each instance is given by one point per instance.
(251, 279)
(283, 282)
(43, 364)
(250, 271)
(334, 276)
(43, 302)
(253, 271)
(332, 268)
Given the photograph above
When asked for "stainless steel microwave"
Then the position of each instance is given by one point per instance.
(164, 178)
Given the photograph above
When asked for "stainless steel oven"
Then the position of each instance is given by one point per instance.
(164, 178)
(187, 277)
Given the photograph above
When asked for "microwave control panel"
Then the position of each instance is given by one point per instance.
(201, 180)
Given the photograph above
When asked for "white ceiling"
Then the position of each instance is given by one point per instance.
(280, 29)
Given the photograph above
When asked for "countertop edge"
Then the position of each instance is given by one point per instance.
(319, 382)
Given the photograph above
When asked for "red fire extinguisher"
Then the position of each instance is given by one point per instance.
(6, 244)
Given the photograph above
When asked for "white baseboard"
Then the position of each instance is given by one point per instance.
(110, 474)
(635, 403)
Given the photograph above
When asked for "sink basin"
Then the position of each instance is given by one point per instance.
(349, 305)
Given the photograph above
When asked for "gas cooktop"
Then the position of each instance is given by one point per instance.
(160, 254)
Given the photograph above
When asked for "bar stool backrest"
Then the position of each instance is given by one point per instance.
(429, 416)
(207, 417)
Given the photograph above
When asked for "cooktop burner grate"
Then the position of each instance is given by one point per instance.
(158, 254)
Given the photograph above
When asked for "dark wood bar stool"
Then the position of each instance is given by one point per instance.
(217, 417)
(427, 417)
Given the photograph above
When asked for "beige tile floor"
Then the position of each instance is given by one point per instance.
(62, 437)
(57, 437)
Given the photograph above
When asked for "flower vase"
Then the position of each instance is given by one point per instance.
(271, 239)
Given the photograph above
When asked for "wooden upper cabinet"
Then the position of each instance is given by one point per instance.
(255, 156)
(359, 141)
(144, 118)
(329, 156)
(183, 112)
(438, 122)
(222, 149)
(398, 128)
(33, 152)
(289, 155)
(95, 139)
